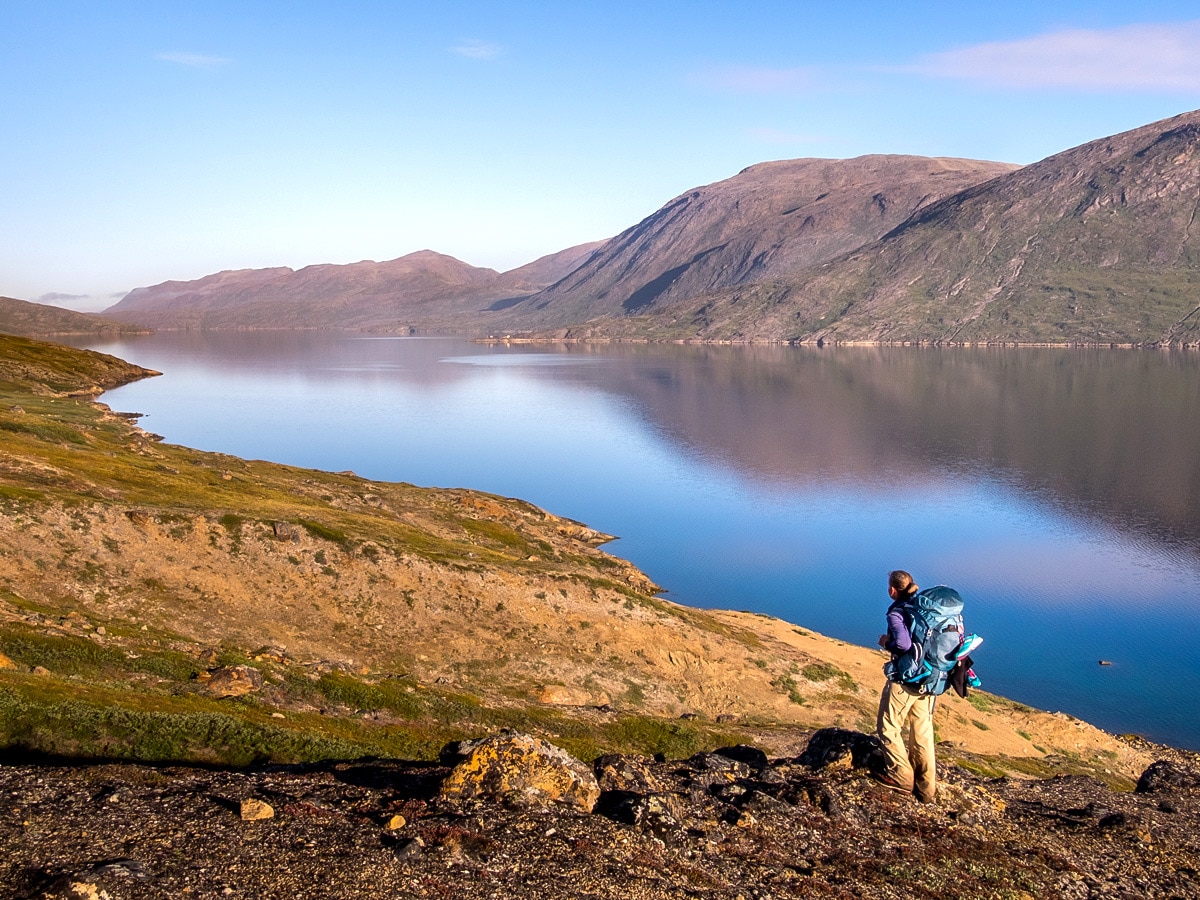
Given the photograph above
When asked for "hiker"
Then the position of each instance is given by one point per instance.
(904, 707)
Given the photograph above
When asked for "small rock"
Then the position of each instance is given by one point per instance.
(286, 531)
(409, 849)
(40, 670)
(253, 810)
(395, 823)
(561, 695)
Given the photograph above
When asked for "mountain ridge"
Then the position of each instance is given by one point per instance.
(769, 220)
(1094, 245)
(418, 286)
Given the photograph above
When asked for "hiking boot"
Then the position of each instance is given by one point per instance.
(887, 780)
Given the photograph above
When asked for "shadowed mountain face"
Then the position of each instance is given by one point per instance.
(1098, 244)
(425, 288)
(27, 319)
(770, 221)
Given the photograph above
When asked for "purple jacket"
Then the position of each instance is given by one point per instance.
(899, 637)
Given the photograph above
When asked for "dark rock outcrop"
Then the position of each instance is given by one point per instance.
(706, 827)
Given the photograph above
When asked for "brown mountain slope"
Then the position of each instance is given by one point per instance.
(1098, 244)
(426, 287)
(38, 320)
(769, 221)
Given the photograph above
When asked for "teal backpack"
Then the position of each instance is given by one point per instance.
(935, 621)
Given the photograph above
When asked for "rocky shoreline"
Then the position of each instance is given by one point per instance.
(728, 824)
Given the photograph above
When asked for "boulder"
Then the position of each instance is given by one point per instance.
(232, 681)
(841, 748)
(1165, 777)
(522, 771)
(617, 772)
(744, 753)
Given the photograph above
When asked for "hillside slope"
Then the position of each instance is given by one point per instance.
(1097, 245)
(378, 618)
(771, 220)
(21, 317)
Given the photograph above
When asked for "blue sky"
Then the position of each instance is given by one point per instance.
(145, 141)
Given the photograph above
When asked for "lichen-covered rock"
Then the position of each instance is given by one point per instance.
(522, 771)
(619, 772)
(231, 681)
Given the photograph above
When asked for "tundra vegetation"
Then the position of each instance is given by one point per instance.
(139, 579)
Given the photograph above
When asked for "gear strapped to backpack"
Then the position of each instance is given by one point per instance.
(934, 619)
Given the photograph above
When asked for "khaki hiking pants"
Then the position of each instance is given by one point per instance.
(906, 714)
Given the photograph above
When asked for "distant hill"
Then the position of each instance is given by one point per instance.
(771, 220)
(1098, 244)
(20, 317)
(424, 288)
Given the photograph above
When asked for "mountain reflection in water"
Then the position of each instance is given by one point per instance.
(1057, 489)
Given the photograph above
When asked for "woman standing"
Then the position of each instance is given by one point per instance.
(903, 708)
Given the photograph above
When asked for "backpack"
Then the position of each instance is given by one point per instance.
(935, 622)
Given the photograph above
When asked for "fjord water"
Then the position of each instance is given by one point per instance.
(1058, 490)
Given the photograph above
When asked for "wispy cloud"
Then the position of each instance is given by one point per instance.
(752, 80)
(477, 49)
(194, 60)
(1133, 57)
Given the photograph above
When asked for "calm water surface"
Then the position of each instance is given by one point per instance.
(1058, 490)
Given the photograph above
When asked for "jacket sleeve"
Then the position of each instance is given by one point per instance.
(899, 637)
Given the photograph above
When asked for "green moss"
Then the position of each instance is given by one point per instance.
(324, 532)
(787, 685)
(673, 738)
(93, 723)
(44, 431)
(981, 702)
(69, 654)
(232, 523)
(823, 671)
